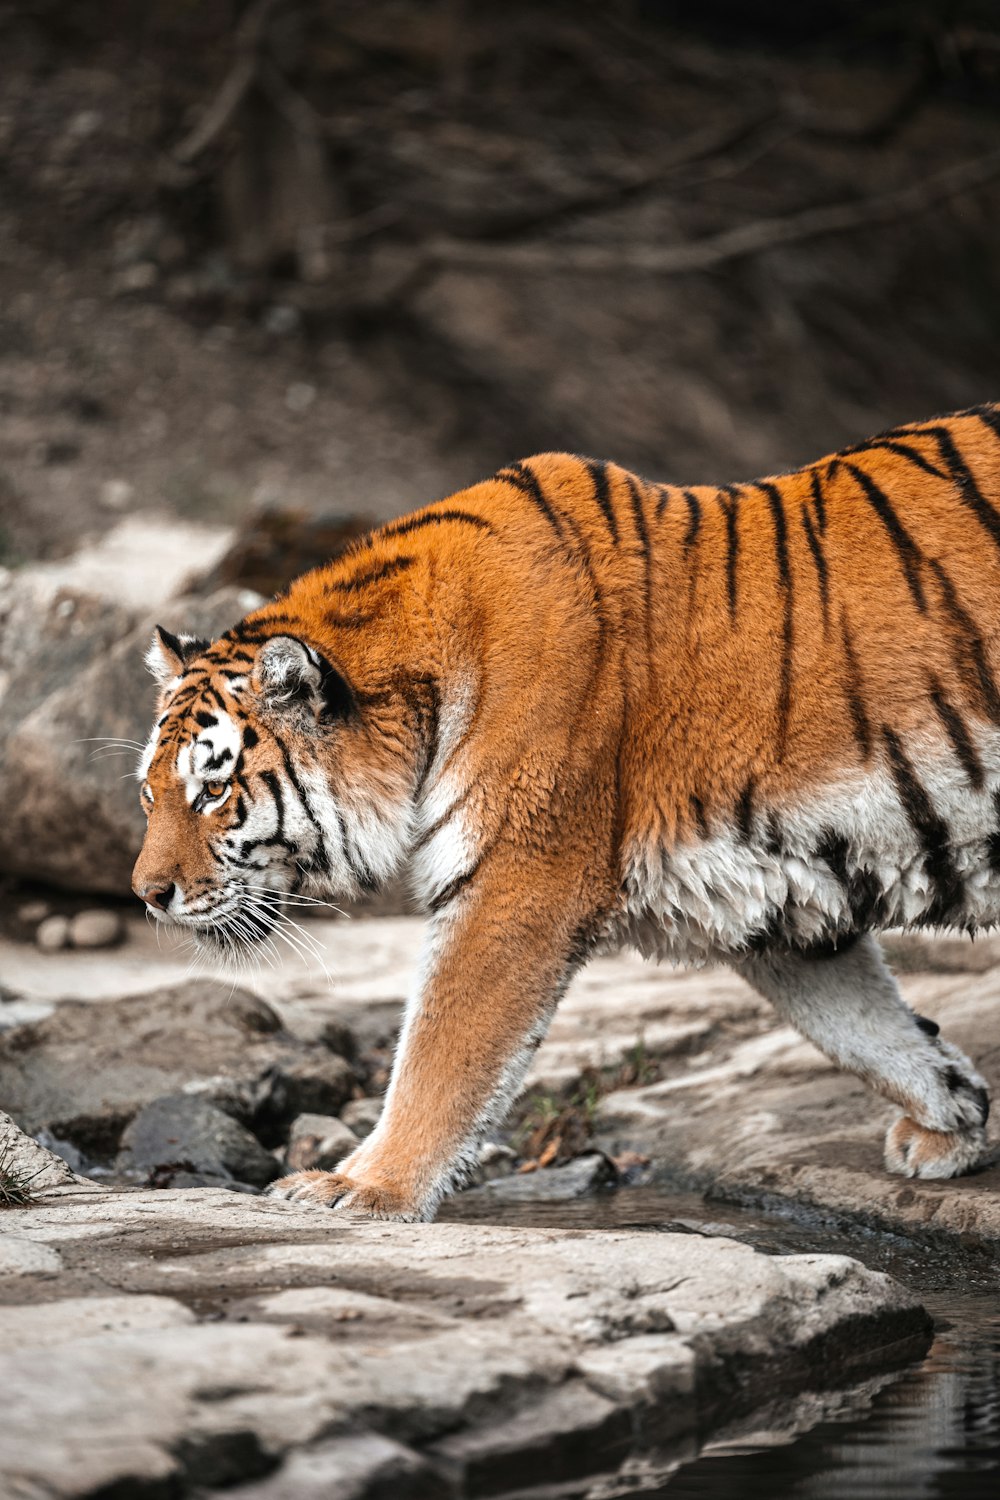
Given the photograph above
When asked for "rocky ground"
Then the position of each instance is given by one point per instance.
(174, 1336)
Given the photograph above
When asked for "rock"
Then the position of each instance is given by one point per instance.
(116, 494)
(53, 934)
(279, 544)
(183, 1131)
(495, 1161)
(22, 1257)
(27, 1161)
(585, 1174)
(318, 1141)
(494, 1357)
(362, 1115)
(72, 673)
(33, 912)
(95, 928)
(759, 1116)
(363, 1467)
(49, 1324)
(85, 1070)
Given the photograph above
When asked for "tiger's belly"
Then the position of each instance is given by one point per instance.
(880, 849)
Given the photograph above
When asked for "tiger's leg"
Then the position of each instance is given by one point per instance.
(498, 962)
(849, 1006)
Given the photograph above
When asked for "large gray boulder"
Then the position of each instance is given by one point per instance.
(365, 1361)
(71, 675)
(85, 1070)
(189, 1134)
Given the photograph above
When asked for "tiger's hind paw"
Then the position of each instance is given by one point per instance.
(914, 1151)
(347, 1196)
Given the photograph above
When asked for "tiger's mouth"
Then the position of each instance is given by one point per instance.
(242, 929)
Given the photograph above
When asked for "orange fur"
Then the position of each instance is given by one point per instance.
(615, 667)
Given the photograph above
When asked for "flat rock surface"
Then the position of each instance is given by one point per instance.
(194, 1339)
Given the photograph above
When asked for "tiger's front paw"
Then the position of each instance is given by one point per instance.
(346, 1194)
(914, 1151)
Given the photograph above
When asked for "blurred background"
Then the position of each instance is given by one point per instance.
(271, 270)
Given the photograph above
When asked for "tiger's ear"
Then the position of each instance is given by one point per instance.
(290, 676)
(168, 655)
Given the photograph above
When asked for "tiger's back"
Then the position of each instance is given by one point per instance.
(752, 724)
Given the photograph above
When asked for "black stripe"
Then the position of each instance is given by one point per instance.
(971, 659)
(775, 842)
(819, 500)
(322, 860)
(728, 503)
(912, 455)
(853, 692)
(822, 579)
(698, 809)
(429, 713)
(993, 842)
(910, 555)
(990, 418)
(349, 622)
(206, 720)
(955, 728)
(598, 471)
(968, 490)
(744, 813)
(865, 896)
(374, 575)
(643, 535)
(451, 890)
(788, 623)
(435, 518)
(250, 737)
(663, 490)
(524, 479)
(933, 830)
(694, 520)
(270, 780)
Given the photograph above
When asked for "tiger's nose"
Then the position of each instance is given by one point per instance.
(157, 895)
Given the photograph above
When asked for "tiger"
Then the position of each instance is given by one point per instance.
(751, 725)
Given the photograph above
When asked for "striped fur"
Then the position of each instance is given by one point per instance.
(748, 724)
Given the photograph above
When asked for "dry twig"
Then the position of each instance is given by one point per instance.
(716, 249)
(230, 94)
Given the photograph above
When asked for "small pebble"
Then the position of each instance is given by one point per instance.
(95, 928)
(53, 934)
(33, 912)
(116, 494)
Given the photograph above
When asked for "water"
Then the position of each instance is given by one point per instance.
(929, 1430)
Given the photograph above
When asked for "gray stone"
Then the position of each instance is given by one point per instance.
(21, 1257)
(45, 1324)
(365, 1467)
(501, 1354)
(85, 1070)
(26, 1160)
(585, 1174)
(318, 1141)
(52, 933)
(184, 1132)
(71, 673)
(95, 928)
(362, 1115)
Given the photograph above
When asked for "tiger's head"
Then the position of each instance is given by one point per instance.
(266, 774)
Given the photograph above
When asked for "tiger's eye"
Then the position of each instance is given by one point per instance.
(215, 788)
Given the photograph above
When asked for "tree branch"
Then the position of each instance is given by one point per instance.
(217, 115)
(716, 249)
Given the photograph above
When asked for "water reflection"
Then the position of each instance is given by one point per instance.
(928, 1432)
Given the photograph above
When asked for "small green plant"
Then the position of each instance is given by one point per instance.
(15, 1187)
